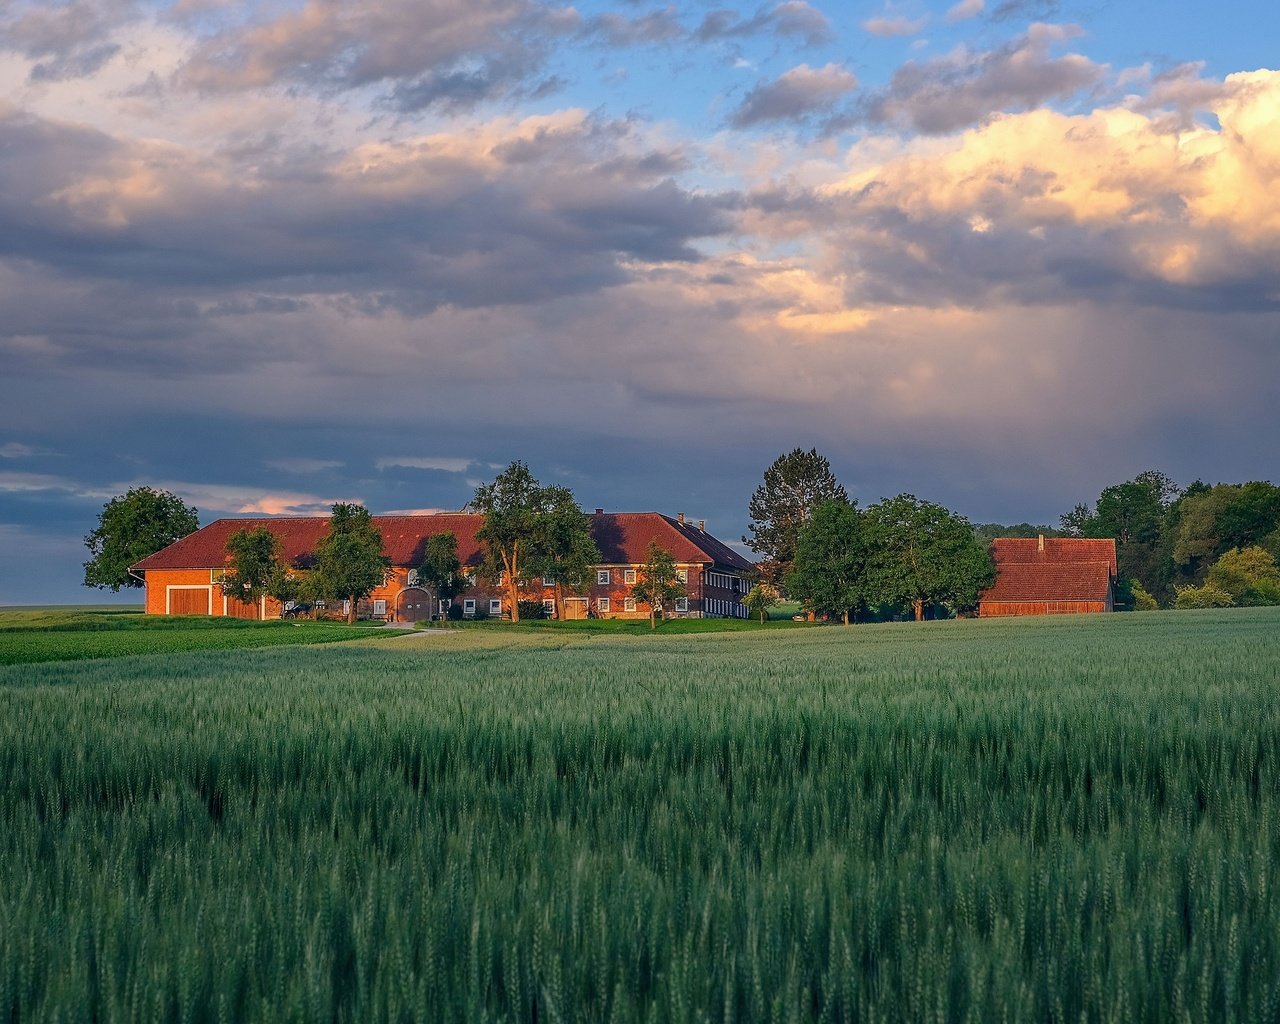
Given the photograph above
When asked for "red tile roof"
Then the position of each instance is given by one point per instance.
(1056, 550)
(1068, 569)
(623, 538)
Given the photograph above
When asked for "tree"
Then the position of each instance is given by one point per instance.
(441, 569)
(254, 566)
(760, 598)
(530, 529)
(132, 526)
(829, 574)
(794, 485)
(658, 582)
(1134, 513)
(564, 549)
(349, 559)
(922, 553)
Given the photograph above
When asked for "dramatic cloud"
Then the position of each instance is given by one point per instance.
(438, 50)
(795, 94)
(966, 88)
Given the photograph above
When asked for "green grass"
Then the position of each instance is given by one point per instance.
(629, 627)
(30, 636)
(1072, 819)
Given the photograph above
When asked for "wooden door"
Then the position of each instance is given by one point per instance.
(413, 605)
(575, 607)
(189, 601)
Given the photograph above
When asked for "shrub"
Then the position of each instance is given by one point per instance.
(1207, 596)
(532, 610)
(455, 613)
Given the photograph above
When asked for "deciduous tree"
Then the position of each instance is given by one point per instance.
(829, 574)
(794, 485)
(922, 553)
(132, 526)
(658, 582)
(254, 567)
(760, 598)
(349, 559)
(441, 568)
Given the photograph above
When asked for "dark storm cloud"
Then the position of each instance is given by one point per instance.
(966, 88)
(794, 95)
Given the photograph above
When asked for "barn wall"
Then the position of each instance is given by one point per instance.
(997, 609)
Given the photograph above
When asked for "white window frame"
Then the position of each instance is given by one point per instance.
(468, 607)
(628, 604)
(380, 606)
(682, 604)
(682, 575)
(548, 606)
(548, 581)
(602, 606)
(471, 578)
(604, 577)
(628, 576)
(495, 606)
(411, 578)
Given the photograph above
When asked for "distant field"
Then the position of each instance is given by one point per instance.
(64, 634)
(1057, 819)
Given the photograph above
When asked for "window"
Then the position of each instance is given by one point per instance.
(603, 577)
(469, 607)
(502, 578)
(548, 581)
(628, 604)
(682, 604)
(602, 606)
(628, 575)
(346, 607)
(495, 606)
(549, 607)
(471, 579)
(682, 575)
(380, 607)
(412, 578)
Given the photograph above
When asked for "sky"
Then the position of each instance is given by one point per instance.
(268, 256)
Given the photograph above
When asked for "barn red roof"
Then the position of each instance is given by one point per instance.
(623, 538)
(1067, 569)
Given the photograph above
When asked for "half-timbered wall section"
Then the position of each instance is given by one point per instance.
(184, 578)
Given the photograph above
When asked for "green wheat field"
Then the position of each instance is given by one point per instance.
(1070, 819)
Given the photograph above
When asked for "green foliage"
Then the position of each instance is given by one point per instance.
(658, 582)
(132, 526)
(921, 553)
(1225, 516)
(254, 566)
(1022, 821)
(759, 599)
(829, 574)
(531, 530)
(794, 485)
(1202, 597)
(1248, 575)
(441, 569)
(349, 563)
(1140, 600)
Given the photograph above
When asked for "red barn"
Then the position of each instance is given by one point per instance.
(183, 579)
(1051, 576)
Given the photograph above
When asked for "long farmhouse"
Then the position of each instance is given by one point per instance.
(183, 579)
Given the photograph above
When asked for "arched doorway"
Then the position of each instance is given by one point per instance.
(413, 605)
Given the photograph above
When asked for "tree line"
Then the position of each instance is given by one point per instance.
(1201, 546)
(900, 555)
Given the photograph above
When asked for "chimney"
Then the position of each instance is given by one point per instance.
(1041, 544)
(680, 518)
(599, 511)
(702, 526)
